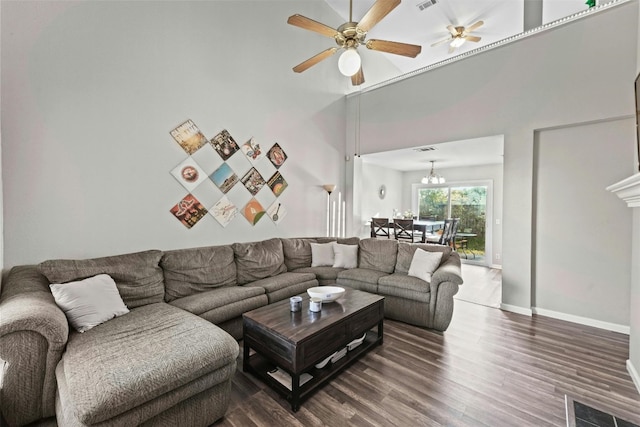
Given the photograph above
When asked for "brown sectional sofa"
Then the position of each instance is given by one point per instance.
(170, 360)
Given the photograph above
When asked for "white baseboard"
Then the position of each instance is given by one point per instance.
(634, 374)
(516, 309)
(583, 320)
(496, 266)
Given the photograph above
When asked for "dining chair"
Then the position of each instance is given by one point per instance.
(403, 229)
(380, 227)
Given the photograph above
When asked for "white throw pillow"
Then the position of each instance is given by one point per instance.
(321, 254)
(424, 263)
(89, 302)
(346, 256)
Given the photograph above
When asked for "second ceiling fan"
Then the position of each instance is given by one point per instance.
(458, 35)
(349, 36)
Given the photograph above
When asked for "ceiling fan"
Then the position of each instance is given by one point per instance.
(349, 36)
(459, 35)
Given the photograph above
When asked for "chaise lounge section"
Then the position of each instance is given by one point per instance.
(171, 358)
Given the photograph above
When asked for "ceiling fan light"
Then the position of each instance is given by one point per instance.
(457, 42)
(349, 62)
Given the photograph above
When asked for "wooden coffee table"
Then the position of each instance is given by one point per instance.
(296, 342)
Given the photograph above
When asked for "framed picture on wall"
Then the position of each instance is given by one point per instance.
(189, 137)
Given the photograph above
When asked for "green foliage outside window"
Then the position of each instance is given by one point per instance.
(467, 203)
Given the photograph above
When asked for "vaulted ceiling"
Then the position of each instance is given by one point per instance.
(424, 22)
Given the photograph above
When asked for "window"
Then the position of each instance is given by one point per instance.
(458, 200)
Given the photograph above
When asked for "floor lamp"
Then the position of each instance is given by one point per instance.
(329, 189)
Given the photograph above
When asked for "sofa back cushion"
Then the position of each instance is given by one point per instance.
(138, 276)
(378, 254)
(258, 260)
(195, 270)
(406, 251)
(297, 253)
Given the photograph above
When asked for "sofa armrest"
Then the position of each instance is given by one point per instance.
(33, 335)
(444, 285)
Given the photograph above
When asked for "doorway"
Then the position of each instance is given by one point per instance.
(471, 202)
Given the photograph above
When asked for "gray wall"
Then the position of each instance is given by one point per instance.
(582, 231)
(92, 89)
(373, 176)
(576, 73)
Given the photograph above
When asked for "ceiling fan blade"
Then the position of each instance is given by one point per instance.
(303, 66)
(379, 10)
(472, 38)
(438, 43)
(473, 27)
(451, 49)
(311, 25)
(452, 30)
(358, 78)
(396, 48)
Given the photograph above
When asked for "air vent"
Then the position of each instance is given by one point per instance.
(423, 149)
(425, 4)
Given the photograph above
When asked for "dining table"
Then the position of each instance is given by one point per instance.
(426, 226)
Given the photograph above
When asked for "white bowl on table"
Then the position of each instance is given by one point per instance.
(326, 293)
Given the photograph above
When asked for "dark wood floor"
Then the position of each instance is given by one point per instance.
(490, 368)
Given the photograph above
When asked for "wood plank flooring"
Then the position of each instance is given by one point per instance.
(482, 285)
(490, 368)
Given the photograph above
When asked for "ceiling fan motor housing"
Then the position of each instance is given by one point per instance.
(349, 35)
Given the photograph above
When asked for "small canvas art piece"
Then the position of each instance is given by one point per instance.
(252, 150)
(189, 211)
(224, 211)
(224, 144)
(277, 184)
(189, 137)
(189, 174)
(224, 177)
(276, 212)
(253, 211)
(277, 155)
(253, 181)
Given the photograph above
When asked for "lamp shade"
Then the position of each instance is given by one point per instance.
(349, 62)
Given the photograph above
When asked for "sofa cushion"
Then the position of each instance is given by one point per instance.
(322, 254)
(323, 274)
(345, 256)
(378, 254)
(222, 304)
(143, 355)
(424, 263)
(257, 260)
(286, 285)
(89, 302)
(363, 279)
(297, 252)
(341, 240)
(404, 286)
(191, 271)
(406, 251)
(138, 276)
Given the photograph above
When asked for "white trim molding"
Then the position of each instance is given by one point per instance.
(628, 190)
(516, 309)
(623, 329)
(634, 374)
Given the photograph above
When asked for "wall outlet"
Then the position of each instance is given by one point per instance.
(497, 256)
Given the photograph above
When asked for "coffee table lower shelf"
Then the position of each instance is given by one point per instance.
(260, 366)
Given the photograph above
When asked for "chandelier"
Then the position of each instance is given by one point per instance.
(433, 177)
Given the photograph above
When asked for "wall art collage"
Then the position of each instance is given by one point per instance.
(223, 171)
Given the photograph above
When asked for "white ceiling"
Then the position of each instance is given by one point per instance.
(469, 152)
(408, 24)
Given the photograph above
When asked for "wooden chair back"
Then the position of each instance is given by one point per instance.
(403, 229)
(380, 227)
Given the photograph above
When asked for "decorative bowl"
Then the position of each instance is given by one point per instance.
(326, 293)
